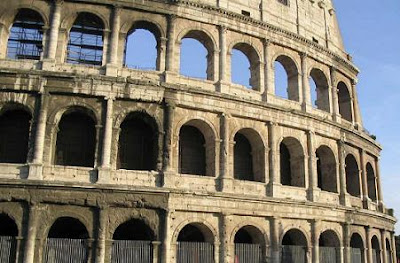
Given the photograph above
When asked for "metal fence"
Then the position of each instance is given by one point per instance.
(356, 255)
(389, 256)
(8, 249)
(131, 251)
(248, 253)
(62, 250)
(293, 254)
(195, 252)
(376, 256)
(329, 255)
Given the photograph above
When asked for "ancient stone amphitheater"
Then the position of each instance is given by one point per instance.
(103, 162)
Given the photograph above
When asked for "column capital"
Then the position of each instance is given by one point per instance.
(58, 2)
(303, 55)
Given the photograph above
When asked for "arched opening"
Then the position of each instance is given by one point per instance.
(326, 169)
(192, 151)
(249, 244)
(376, 250)
(26, 36)
(356, 249)
(292, 163)
(197, 55)
(388, 251)
(294, 247)
(132, 239)
(245, 66)
(195, 244)
(352, 176)
(14, 136)
(371, 181)
(345, 102)
(329, 247)
(142, 48)
(138, 144)
(287, 81)
(243, 160)
(67, 241)
(8, 241)
(76, 139)
(319, 90)
(85, 45)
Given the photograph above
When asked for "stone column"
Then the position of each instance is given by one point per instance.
(275, 240)
(156, 249)
(269, 85)
(313, 190)
(161, 53)
(356, 107)
(315, 228)
(30, 244)
(369, 244)
(364, 180)
(225, 173)
(393, 245)
(346, 242)
(105, 169)
(306, 94)
(36, 167)
(335, 100)
(112, 64)
(378, 184)
(342, 172)
(170, 61)
(4, 31)
(222, 57)
(166, 244)
(383, 247)
(169, 112)
(54, 30)
(102, 235)
(274, 172)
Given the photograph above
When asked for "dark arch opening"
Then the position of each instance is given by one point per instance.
(371, 181)
(245, 66)
(138, 145)
(294, 247)
(142, 48)
(68, 227)
(329, 239)
(26, 36)
(388, 251)
(376, 250)
(195, 244)
(197, 55)
(249, 244)
(320, 90)
(85, 45)
(8, 226)
(292, 163)
(352, 176)
(294, 237)
(291, 78)
(76, 140)
(329, 246)
(345, 102)
(357, 248)
(326, 169)
(243, 159)
(133, 229)
(195, 233)
(14, 136)
(192, 151)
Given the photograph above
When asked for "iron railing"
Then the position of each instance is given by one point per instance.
(293, 254)
(62, 250)
(195, 252)
(356, 255)
(329, 255)
(131, 251)
(248, 253)
(8, 249)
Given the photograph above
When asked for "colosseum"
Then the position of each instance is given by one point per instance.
(104, 162)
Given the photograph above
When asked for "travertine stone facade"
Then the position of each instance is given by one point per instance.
(324, 142)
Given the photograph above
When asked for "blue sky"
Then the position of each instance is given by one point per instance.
(371, 34)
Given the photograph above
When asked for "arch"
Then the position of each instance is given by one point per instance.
(376, 249)
(326, 169)
(204, 39)
(352, 176)
(68, 227)
(345, 101)
(196, 148)
(8, 241)
(292, 75)
(294, 247)
(357, 248)
(371, 181)
(388, 251)
(329, 246)
(26, 35)
(292, 162)
(152, 61)
(321, 89)
(15, 123)
(196, 232)
(254, 60)
(134, 229)
(138, 142)
(85, 45)
(249, 243)
(76, 138)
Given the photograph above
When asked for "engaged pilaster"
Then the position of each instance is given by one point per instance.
(111, 69)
